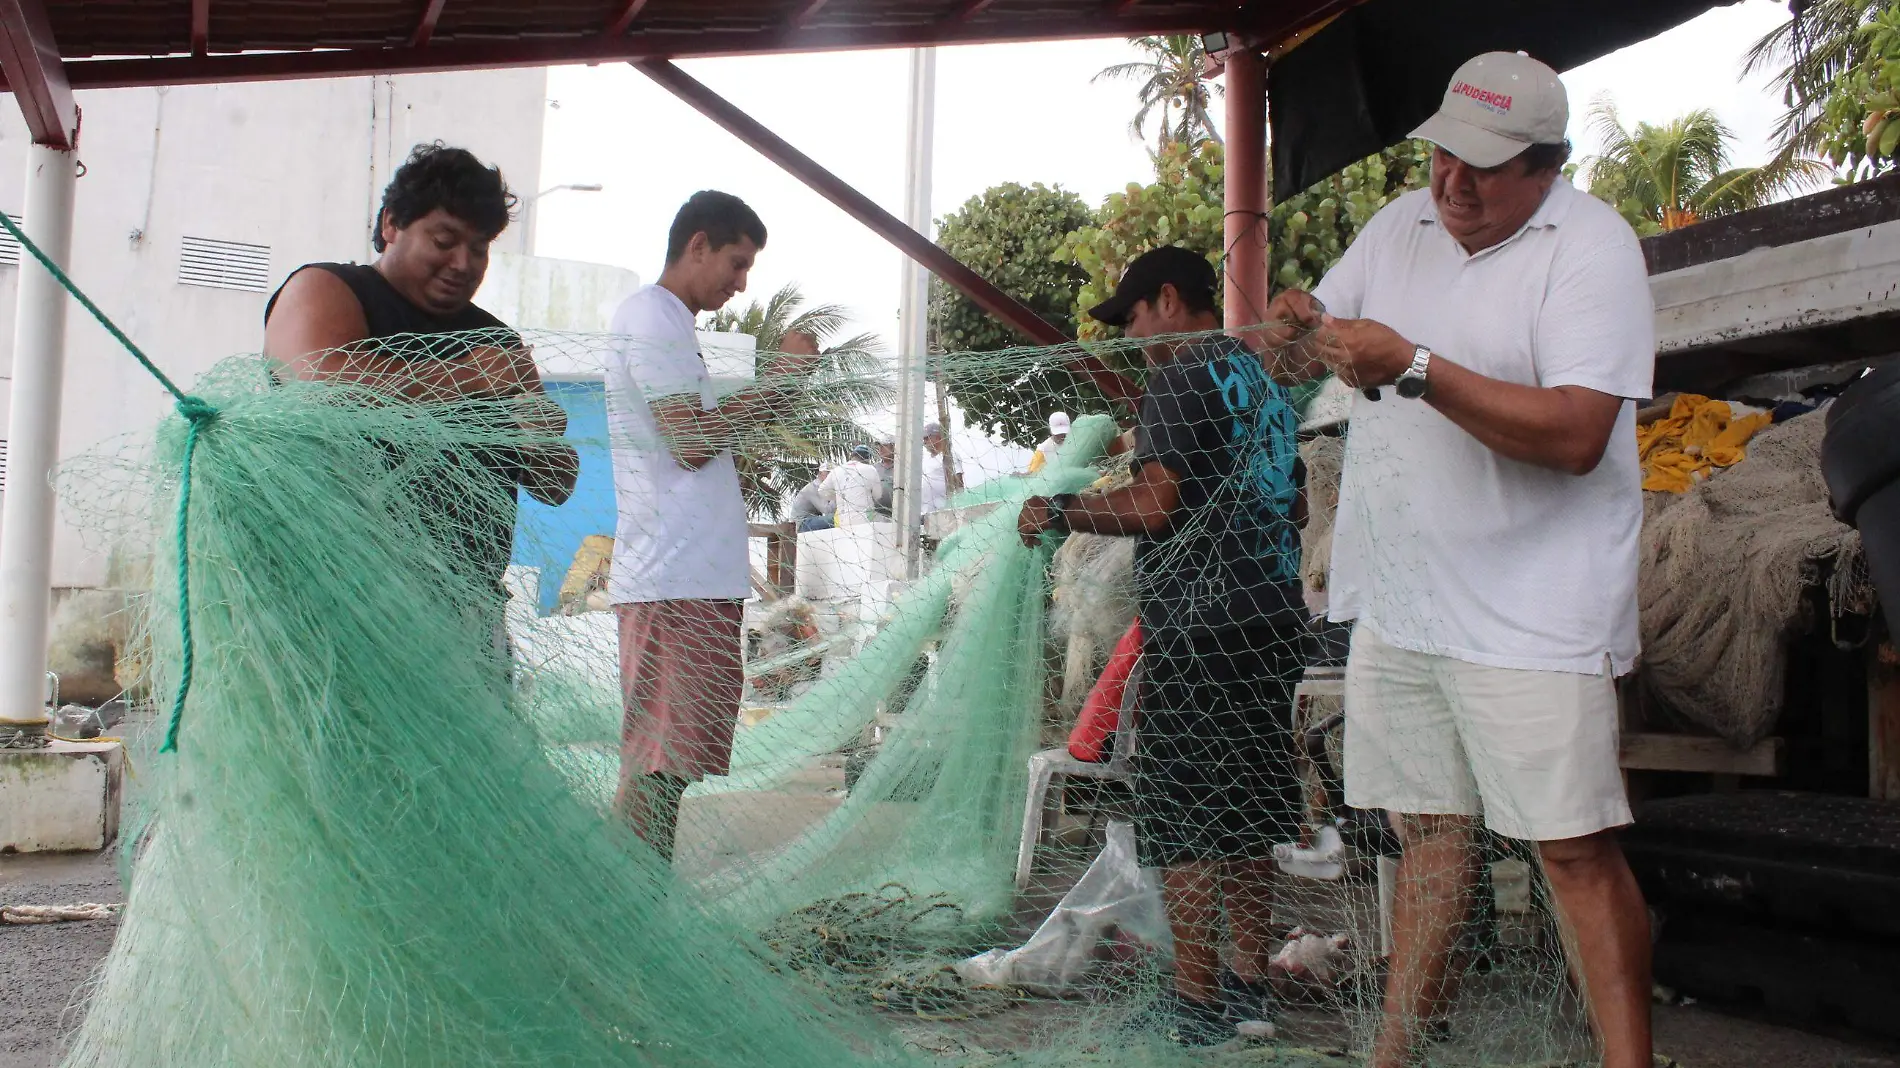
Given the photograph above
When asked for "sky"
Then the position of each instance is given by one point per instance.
(1005, 113)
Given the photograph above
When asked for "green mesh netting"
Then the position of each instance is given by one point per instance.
(387, 834)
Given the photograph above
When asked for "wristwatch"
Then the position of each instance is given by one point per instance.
(1411, 384)
(1057, 521)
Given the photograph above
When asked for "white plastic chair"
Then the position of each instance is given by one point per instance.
(1047, 765)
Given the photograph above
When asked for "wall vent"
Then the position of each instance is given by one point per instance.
(10, 245)
(214, 264)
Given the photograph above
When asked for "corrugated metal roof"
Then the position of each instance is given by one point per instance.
(100, 28)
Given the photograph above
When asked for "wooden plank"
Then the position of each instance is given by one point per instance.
(1832, 211)
(1883, 722)
(1689, 752)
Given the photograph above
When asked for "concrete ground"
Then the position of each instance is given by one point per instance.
(43, 968)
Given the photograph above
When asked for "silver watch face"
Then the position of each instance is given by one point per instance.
(1411, 386)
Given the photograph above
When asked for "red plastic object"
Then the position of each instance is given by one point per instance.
(1101, 711)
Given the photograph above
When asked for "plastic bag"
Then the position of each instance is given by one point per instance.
(1114, 896)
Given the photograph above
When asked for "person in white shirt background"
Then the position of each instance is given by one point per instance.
(853, 488)
(938, 483)
(1046, 452)
(681, 573)
(1486, 540)
(811, 507)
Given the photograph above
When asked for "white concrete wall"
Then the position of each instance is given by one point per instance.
(540, 293)
(299, 166)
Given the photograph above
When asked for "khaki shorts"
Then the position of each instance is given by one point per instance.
(1533, 752)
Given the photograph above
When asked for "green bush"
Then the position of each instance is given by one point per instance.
(1860, 126)
(1012, 235)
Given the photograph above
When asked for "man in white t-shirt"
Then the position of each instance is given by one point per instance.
(853, 488)
(1485, 546)
(939, 482)
(680, 570)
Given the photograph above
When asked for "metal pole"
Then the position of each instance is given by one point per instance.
(907, 478)
(26, 522)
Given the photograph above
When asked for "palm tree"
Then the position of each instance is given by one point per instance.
(1174, 79)
(1807, 53)
(854, 364)
(1669, 176)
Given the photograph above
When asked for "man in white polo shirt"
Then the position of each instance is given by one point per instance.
(1485, 546)
(680, 570)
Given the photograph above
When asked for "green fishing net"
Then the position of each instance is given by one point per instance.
(387, 833)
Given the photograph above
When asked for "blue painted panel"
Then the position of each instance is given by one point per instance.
(547, 538)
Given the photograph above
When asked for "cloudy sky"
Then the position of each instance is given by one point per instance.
(1022, 113)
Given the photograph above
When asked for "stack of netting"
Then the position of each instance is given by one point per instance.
(385, 839)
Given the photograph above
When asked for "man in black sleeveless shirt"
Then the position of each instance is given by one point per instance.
(406, 326)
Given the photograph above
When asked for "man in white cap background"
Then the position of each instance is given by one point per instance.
(1485, 547)
(1046, 452)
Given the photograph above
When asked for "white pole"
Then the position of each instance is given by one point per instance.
(26, 522)
(907, 479)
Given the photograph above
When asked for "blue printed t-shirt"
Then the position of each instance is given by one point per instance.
(1231, 556)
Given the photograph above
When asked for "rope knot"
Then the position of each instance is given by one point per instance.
(196, 410)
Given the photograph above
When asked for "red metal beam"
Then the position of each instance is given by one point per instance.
(425, 26)
(1246, 191)
(200, 27)
(806, 12)
(649, 44)
(883, 223)
(968, 10)
(35, 75)
(629, 11)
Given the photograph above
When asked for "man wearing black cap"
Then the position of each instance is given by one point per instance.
(1217, 581)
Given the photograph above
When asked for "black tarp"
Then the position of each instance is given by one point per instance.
(1372, 75)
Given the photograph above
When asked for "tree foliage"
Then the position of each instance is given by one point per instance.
(1041, 246)
(1173, 80)
(1669, 175)
(1011, 235)
(1185, 206)
(1859, 128)
(1809, 55)
(767, 481)
(1310, 231)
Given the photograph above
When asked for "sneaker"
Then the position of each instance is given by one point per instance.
(1249, 1005)
(1325, 859)
(1187, 1022)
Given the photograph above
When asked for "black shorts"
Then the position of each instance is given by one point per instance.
(1214, 777)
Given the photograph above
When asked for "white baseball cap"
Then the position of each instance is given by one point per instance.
(1498, 105)
(1058, 423)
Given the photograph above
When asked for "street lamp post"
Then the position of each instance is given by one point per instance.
(527, 210)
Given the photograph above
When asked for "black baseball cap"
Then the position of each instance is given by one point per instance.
(1186, 270)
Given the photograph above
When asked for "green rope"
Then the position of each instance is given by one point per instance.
(197, 415)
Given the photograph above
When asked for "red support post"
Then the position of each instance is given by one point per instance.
(968, 10)
(807, 10)
(629, 11)
(883, 223)
(425, 26)
(1244, 296)
(200, 27)
(35, 74)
